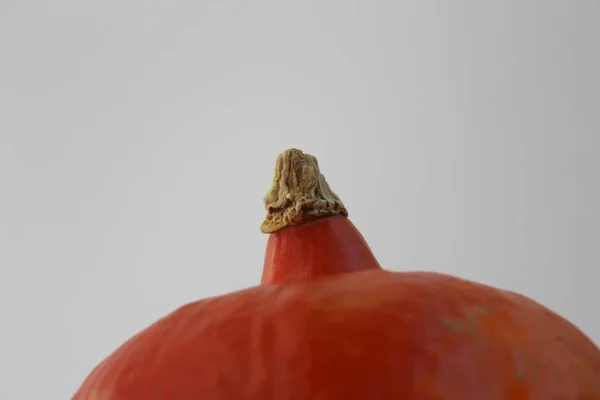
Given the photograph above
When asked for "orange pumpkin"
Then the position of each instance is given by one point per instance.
(328, 323)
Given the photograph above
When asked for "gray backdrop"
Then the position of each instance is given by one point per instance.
(137, 139)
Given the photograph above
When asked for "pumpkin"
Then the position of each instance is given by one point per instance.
(327, 322)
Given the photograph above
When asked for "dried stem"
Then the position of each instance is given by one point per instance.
(299, 193)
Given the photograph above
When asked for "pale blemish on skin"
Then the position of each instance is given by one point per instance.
(466, 324)
(474, 312)
(455, 325)
(523, 365)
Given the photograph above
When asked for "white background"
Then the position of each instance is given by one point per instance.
(137, 139)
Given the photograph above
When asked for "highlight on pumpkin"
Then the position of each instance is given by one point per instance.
(299, 193)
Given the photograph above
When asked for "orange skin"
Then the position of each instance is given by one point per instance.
(311, 331)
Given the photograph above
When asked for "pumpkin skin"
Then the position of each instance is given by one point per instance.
(328, 323)
(371, 334)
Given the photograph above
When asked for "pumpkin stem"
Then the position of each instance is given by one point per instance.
(299, 194)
